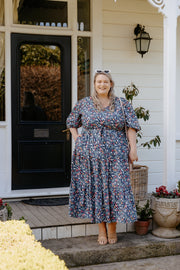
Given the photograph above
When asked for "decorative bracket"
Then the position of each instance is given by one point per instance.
(160, 4)
(162, 7)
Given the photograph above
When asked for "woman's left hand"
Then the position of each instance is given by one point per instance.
(132, 142)
(133, 155)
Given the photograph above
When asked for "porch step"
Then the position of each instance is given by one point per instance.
(84, 251)
(74, 230)
(53, 222)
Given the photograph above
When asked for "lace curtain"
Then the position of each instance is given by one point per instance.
(2, 77)
(15, 13)
(2, 52)
(1, 12)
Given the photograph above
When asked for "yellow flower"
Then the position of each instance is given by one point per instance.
(20, 251)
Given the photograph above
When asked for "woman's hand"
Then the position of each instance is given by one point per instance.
(74, 133)
(132, 141)
(133, 155)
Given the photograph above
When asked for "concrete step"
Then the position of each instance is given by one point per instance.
(84, 251)
(159, 263)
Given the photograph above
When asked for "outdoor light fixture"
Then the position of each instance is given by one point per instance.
(142, 39)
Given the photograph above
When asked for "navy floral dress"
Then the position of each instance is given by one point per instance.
(100, 181)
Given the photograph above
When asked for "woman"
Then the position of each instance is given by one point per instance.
(100, 186)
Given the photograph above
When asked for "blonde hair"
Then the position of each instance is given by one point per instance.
(111, 94)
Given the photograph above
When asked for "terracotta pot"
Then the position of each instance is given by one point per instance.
(166, 216)
(141, 227)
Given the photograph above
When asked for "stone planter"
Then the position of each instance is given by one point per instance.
(3, 214)
(167, 217)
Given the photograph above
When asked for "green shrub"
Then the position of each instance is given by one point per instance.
(130, 92)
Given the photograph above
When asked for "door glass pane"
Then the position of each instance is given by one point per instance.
(1, 12)
(83, 15)
(41, 12)
(40, 83)
(83, 67)
(2, 77)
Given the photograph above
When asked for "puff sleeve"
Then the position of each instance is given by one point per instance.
(131, 118)
(74, 118)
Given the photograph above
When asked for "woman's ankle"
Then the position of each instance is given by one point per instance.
(102, 238)
(112, 236)
(112, 227)
(102, 227)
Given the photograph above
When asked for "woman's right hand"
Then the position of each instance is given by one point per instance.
(74, 133)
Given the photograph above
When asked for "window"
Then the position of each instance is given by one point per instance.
(40, 81)
(83, 67)
(83, 15)
(2, 77)
(41, 12)
(83, 44)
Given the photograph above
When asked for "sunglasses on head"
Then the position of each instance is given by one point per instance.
(100, 70)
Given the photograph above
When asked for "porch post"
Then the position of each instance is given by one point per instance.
(169, 86)
(169, 8)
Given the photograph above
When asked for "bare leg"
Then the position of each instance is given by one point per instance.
(112, 236)
(102, 238)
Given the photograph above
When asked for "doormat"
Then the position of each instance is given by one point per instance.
(48, 201)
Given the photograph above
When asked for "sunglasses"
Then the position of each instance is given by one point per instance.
(100, 71)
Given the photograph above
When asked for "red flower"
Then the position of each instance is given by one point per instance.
(1, 202)
(162, 192)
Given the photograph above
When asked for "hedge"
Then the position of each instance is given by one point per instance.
(20, 251)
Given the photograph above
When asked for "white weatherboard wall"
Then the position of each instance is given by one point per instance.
(126, 65)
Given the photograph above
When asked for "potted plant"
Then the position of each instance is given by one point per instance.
(5, 211)
(139, 173)
(166, 212)
(144, 216)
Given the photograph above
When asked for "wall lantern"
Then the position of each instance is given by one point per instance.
(142, 39)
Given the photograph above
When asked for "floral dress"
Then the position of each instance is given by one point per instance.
(100, 181)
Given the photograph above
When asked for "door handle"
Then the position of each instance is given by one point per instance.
(65, 130)
(67, 133)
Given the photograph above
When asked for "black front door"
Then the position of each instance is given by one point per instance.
(41, 101)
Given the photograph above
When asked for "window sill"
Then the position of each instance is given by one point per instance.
(3, 124)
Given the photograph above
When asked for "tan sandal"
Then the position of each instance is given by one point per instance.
(102, 239)
(112, 238)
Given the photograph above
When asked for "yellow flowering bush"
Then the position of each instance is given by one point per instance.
(20, 251)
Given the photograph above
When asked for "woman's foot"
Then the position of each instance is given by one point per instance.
(102, 238)
(112, 236)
